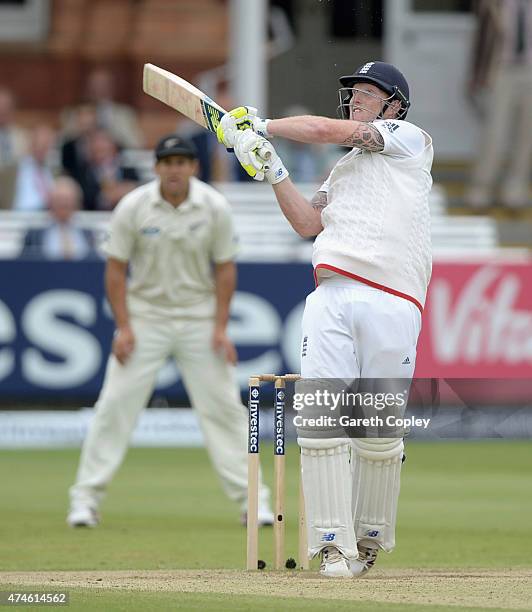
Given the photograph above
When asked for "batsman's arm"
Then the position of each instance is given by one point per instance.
(303, 216)
(322, 130)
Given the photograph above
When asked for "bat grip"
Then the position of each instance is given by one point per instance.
(265, 154)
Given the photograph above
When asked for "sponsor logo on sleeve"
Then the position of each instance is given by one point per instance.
(150, 231)
(391, 126)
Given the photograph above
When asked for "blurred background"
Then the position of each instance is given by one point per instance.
(76, 133)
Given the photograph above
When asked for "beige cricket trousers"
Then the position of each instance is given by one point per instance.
(212, 389)
(507, 137)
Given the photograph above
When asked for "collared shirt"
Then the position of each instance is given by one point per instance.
(65, 241)
(34, 183)
(171, 250)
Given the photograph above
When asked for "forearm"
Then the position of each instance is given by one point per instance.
(116, 290)
(225, 285)
(322, 130)
(305, 219)
(309, 129)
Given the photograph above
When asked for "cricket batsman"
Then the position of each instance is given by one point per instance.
(372, 263)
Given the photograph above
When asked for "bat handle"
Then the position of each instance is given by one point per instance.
(265, 154)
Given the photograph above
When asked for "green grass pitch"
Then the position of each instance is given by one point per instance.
(463, 506)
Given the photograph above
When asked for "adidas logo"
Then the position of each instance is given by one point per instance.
(304, 347)
(406, 361)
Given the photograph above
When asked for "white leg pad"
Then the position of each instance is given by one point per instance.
(376, 467)
(326, 476)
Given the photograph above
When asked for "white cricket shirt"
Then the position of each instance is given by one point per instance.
(172, 250)
(376, 225)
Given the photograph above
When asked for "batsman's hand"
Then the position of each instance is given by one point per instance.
(123, 344)
(259, 158)
(223, 346)
(240, 119)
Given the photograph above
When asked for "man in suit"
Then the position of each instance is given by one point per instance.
(62, 238)
(34, 175)
(104, 179)
(12, 147)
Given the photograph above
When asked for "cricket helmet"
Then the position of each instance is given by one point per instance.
(386, 76)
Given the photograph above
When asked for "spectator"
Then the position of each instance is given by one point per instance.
(12, 147)
(74, 151)
(34, 177)
(502, 64)
(62, 238)
(118, 119)
(104, 179)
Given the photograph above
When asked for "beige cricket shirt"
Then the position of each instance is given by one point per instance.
(172, 250)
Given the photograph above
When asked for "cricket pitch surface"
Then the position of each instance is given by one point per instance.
(501, 589)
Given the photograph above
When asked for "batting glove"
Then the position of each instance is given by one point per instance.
(258, 157)
(241, 118)
(247, 145)
(275, 172)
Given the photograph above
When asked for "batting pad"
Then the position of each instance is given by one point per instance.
(326, 475)
(376, 467)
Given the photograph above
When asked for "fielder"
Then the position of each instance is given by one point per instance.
(176, 233)
(372, 262)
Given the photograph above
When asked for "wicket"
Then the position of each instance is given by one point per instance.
(279, 475)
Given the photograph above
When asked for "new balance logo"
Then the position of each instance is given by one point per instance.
(406, 361)
(372, 533)
(328, 537)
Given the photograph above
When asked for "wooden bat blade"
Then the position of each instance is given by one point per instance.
(185, 98)
(182, 96)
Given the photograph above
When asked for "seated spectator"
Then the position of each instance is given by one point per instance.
(75, 149)
(62, 239)
(118, 119)
(104, 179)
(34, 177)
(12, 147)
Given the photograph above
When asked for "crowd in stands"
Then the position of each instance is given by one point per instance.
(87, 147)
(78, 164)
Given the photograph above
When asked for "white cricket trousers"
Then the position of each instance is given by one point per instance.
(351, 330)
(212, 389)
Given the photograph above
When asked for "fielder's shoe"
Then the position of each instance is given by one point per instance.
(83, 516)
(265, 517)
(366, 560)
(334, 564)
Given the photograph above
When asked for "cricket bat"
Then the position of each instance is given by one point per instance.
(185, 98)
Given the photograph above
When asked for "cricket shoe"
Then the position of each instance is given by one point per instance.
(264, 516)
(366, 560)
(334, 564)
(83, 516)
